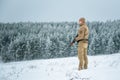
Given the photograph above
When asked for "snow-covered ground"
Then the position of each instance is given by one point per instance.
(102, 67)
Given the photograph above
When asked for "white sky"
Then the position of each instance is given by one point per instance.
(58, 10)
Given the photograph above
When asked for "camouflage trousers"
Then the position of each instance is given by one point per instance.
(82, 55)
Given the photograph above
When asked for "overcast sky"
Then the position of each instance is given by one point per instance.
(58, 10)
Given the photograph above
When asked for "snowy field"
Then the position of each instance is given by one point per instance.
(102, 67)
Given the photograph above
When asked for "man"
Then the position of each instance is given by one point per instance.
(82, 39)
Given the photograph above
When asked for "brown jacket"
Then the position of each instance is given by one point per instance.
(83, 32)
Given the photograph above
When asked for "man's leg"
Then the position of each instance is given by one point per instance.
(85, 59)
(80, 57)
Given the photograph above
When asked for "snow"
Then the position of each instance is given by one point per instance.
(102, 67)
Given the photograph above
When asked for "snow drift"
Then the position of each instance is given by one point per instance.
(102, 67)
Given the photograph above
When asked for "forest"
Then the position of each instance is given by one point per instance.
(44, 40)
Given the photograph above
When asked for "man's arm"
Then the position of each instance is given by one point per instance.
(81, 34)
(73, 40)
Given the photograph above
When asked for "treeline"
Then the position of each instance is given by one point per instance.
(28, 40)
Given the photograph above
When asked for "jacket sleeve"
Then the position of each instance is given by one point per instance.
(81, 33)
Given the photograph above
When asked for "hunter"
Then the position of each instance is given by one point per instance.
(82, 39)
